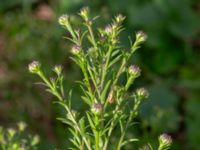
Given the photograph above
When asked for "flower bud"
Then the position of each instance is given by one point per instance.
(35, 140)
(34, 67)
(63, 20)
(142, 93)
(165, 141)
(57, 69)
(96, 108)
(134, 71)
(108, 29)
(141, 37)
(11, 132)
(119, 18)
(76, 49)
(21, 126)
(84, 13)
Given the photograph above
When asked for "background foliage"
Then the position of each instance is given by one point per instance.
(170, 62)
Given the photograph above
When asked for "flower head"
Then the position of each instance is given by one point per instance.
(21, 126)
(119, 18)
(142, 93)
(58, 69)
(165, 141)
(97, 108)
(134, 71)
(76, 49)
(84, 13)
(141, 37)
(34, 67)
(63, 20)
(35, 140)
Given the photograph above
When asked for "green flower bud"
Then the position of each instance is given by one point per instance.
(34, 67)
(21, 126)
(142, 93)
(141, 37)
(165, 141)
(134, 71)
(119, 18)
(96, 108)
(57, 69)
(84, 13)
(63, 20)
(35, 140)
(11, 132)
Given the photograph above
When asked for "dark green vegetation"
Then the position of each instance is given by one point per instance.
(169, 60)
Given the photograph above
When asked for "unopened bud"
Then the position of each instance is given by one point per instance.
(108, 29)
(63, 20)
(141, 37)
(119, 18)
(76, 49)
(134, 71)
(84, 13)
(34, 67)
(58, 69)
(35, 140)
(142, 93)
(165, 141)
(11, 132)
(21, 126)
(97, 108)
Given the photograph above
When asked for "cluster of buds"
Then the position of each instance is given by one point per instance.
(141, 37)
(34, 67)
(134, 71)
(165, 141)
(142, 93)
(97, 108)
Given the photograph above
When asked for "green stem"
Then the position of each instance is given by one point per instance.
(56, 93)
(92, 36)
(97, 135)
(104, 68)
(124, 132)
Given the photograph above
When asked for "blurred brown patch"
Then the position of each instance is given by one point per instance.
(44, 12)
(2, 45)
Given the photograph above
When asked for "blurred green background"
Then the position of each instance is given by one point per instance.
(170, 60)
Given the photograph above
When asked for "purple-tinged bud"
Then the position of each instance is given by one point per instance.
(165, 141)
(108, 29)
(34, 67)
(134, 71)
(76, 49)
(97, 108)
(142, 93)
